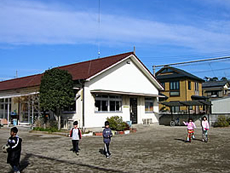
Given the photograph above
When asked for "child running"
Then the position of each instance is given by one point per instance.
(107, 134)
(14, 149)
(75, 133)
(205, 128)
(190, 126)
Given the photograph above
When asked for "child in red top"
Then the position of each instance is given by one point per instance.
(75, 134)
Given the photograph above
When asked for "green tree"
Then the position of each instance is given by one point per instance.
(56, 92)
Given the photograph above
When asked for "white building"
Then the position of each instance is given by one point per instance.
(221, 106)
(117, 85)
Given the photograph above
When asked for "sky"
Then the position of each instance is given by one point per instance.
(36, 35)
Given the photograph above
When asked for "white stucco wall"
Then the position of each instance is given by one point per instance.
(125, 77)
(221, 106)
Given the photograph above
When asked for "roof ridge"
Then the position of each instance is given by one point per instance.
(92, 60)
(19, 78)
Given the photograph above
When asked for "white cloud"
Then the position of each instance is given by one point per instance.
(36, 23)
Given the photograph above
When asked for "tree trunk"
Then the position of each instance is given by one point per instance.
(59, 122)
(59, 118)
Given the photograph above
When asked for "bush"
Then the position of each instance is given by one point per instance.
(46, 129)
(50, 125)
(39, 122)
(221, 122)
(116, 123)
(228, 120)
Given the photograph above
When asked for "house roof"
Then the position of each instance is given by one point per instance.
(82, 70)
(172, 73)
(210, 84)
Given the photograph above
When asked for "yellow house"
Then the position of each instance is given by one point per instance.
(179, 86)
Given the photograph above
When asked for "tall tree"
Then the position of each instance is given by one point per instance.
(56, 91)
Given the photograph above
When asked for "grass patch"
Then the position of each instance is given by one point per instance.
(50, 130)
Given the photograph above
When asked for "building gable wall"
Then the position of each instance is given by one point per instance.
(125, 77)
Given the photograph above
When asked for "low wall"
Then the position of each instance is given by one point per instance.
(165, 119)
(213, 117)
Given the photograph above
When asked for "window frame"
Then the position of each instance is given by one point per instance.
(108, 99)
(189, 85)
(196, 86)
(149, 100)
(174, 87)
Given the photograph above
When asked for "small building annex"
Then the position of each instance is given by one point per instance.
(118, 85)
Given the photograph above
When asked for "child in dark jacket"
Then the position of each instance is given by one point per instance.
(14, 149)
(75, 134)
(107, 134)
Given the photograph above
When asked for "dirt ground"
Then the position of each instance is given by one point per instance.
(151, 149)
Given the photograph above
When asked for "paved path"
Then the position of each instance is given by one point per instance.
(151, 149)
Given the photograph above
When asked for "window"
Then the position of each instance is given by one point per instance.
(148, 105)
(71, 108)
(175, 88)
(175, 109)
(189, 85)
(163, 84)
(196, 86)
(174, 85)
(166, 70)
(4, 107)
(108, 103)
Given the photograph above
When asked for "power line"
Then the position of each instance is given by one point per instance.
(189, 62)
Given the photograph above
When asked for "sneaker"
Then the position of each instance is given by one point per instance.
(77, 153)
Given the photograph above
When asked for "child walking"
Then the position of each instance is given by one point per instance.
(107, 134)
(75, 134)
(14, 149)
(190, 127)
(205, 128)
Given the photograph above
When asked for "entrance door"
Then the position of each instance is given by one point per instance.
(133, 110)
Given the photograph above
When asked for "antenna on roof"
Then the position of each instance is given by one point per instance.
(134, 49)
(99, 27)
(16, 76)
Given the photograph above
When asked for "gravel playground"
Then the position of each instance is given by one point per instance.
(151, 149)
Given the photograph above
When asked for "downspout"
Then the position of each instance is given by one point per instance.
(81, 82)
(8, 112)
(83, 106)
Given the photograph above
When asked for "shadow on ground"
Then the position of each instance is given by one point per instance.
(28, 155)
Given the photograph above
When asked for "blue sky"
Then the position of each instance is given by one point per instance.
(36, 35)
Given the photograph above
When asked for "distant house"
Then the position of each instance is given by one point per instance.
(216, 89)
(180, 86)
(118, 85)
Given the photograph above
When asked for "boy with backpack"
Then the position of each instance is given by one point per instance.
(107, 134)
